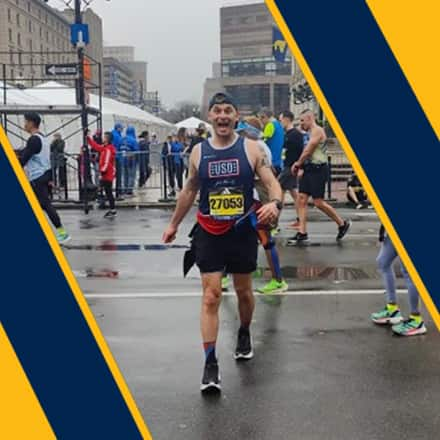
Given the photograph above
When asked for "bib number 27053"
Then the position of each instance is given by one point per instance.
(226, 205)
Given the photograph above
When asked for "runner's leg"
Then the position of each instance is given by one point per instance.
(41, 189)
(385, 260)
(303, 200)
(329, 211)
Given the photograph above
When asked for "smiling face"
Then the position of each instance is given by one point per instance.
(224, 118)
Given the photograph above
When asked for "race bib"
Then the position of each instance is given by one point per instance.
(226, 203)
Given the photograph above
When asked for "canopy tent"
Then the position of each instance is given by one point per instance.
(192, 123)
(53, 93)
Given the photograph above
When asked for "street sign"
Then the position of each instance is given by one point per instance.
(61, 69)
(79, 34)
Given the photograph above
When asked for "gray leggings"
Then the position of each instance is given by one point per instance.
(385, 260)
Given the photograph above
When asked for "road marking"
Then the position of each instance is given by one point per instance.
(141, 295)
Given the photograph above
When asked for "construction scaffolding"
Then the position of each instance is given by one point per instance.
(40, 68)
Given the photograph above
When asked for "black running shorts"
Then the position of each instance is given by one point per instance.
(287, 180)
(234, 252)
(313, 181)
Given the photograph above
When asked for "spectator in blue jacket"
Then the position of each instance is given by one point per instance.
(117, 141)
(177, 148)
(129, 149)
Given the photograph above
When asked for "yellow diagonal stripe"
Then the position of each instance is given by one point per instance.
(74, 286)
(21, 414)
(413, 33)
(351, 155)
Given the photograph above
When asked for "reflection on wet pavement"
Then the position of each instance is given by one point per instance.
(123, 247)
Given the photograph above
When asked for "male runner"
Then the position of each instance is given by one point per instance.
(223, 168)
(293, 147)
(313, 161)
(35, 158)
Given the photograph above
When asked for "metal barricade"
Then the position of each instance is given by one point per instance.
(137, 173)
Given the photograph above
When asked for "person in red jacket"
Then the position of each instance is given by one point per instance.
(107, 168)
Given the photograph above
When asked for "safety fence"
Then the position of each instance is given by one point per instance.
(157, 175)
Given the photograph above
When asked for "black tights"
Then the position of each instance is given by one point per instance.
(107, 187)
(41, 189)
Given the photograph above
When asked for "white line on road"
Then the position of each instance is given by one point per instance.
(198, 294)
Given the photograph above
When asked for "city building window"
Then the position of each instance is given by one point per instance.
(19, 39)
(19, 59)
(9, 16)
(47, 36)
(11, 55)
(41, 32)
(29, 6)
(262, 18)
(10, 35)
(18, 19)
(30, 26)
(39, 14)
(12, 74)
(253, 97)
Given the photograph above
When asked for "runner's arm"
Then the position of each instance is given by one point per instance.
(33, 147)
(263, 169)
(190, 190)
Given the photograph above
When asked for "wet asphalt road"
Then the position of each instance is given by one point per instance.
(321, 370)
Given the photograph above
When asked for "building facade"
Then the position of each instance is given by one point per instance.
(32, 34)
(126, 56)
(249, 71)
(118, 80)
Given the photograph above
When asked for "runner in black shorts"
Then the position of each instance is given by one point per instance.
(223, 168)
(293, 147)
(312, 170)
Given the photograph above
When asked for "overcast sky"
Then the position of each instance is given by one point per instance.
(180, 39)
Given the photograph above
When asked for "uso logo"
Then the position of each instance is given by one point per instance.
(224, 168)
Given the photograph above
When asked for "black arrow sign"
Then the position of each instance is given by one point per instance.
(61, 69)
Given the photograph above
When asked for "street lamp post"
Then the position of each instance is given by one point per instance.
(88, 187)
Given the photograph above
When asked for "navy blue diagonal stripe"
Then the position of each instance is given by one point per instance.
(48, 331)
(380, 115)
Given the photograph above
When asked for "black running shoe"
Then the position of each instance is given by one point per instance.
(110, 214)
(211, 378)
(342, 231)
(299, 238)
(244, 346)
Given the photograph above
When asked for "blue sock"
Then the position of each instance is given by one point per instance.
(209, 348)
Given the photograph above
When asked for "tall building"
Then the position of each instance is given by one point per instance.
(126, 55)
(249, 70)
(34, 34)
(139, 70)
(123, 54)
(30, 31)
(118, 80)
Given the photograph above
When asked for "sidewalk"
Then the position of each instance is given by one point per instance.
(149, 198)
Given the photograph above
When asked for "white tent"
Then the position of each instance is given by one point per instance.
(53, 93)
(192, 123)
